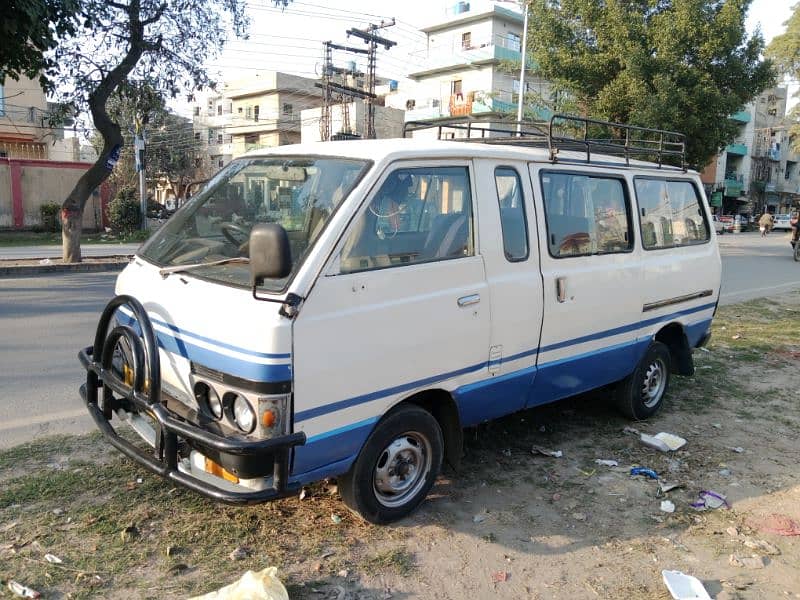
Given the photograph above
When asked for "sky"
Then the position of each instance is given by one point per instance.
(290, 40)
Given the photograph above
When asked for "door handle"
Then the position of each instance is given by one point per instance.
(561, 289)
(468, 300)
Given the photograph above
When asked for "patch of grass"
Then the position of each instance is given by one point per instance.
(397, 560)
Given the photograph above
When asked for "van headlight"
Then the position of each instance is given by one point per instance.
(242, 413)
(273, 415)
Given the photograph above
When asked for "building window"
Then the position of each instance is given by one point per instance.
(196, 111)
(219, 109)
(255, 112)
(287, 109)
(513, 42)
(221, 163)
(197, 136)
(455, 87)
(239, 110)
(211, 134)
(466, 40)
(585, 215)
(219, 138)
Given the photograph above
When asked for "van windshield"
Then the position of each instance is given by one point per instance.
(299, 193)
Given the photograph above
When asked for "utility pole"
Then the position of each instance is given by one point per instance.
(522, 68)
(369, 37)
(138, 148)
(343, 90)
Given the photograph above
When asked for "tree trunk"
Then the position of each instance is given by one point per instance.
(71, 226)
(72, 208)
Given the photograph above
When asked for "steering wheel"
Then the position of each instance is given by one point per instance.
(236, 235)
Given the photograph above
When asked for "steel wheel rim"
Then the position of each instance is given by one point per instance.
(402, 469)
(654, 382)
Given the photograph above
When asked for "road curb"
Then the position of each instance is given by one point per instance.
(116, 263)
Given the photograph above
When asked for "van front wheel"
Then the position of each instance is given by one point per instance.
(641, 394)
(396, 468)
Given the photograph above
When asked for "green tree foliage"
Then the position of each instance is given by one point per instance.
(29, 29)
(680, 65)
(784, 50)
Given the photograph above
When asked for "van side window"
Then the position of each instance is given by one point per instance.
(671, 213)
(585, 214)
(512, 214)
(418, 215)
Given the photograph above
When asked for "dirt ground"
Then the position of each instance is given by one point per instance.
(512, 523)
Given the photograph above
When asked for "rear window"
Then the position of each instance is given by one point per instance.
(670, 213)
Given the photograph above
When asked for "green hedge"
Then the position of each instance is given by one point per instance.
(124, 213)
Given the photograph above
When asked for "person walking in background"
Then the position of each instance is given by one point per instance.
(765, 224)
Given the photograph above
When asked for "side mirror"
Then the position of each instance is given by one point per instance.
(270, 253)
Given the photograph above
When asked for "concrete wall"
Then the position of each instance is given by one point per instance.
(25, 185)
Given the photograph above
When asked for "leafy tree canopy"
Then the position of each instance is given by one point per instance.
(28, 30)
(680, 65)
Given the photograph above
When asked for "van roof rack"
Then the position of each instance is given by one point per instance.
(564, 133)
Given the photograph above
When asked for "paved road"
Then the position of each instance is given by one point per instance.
(754, 267)
(45, 320)
(20, 252)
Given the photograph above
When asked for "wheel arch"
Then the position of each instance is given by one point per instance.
(673, 336)
(442, 406)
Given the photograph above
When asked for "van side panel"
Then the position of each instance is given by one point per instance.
(510, 249)
(590, 335)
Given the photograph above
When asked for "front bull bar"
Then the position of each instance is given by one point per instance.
(145, 396)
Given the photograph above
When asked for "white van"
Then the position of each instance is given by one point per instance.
(344, 309)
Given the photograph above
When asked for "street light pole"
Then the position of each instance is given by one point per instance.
(522, 67)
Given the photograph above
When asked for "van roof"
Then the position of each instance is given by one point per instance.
(414, 148)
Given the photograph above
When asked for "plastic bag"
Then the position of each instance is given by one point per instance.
(263, 585)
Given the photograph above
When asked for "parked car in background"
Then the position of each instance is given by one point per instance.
(782, 222)
(727, 223)
(718, 226)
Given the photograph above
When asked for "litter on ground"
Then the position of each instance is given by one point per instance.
(710, 499)
(545, 452)
(644, 472)
(263, 585)
(684, 587)
(663, 441)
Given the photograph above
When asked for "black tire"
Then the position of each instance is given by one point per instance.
(408, 437)
(796, 253)
(641, 394)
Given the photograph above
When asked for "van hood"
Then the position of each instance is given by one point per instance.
(208, 326)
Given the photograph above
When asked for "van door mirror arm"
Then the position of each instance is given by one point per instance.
(290, 305)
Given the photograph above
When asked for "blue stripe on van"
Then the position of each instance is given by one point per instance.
(180, 331)
(350, 402)
(335, 446)
(227, 364)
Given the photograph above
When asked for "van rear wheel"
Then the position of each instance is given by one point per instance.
(396, 468)
(641, 394)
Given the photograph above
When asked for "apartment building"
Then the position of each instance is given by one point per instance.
(759, 170)
(25, 131)
(261, 111)
(464, 68)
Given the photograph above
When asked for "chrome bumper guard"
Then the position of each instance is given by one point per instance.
(171, 431)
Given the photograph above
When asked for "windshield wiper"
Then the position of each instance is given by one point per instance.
(167, 271)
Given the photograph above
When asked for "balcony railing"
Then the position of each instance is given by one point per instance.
(440, 56)
(737, 149)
